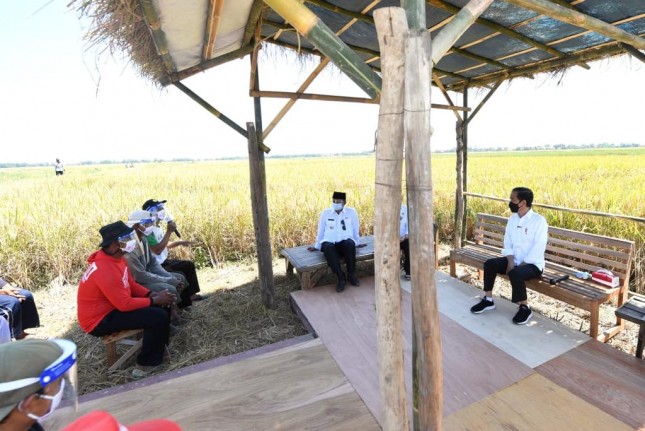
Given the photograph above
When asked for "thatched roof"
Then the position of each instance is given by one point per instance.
(170, 40)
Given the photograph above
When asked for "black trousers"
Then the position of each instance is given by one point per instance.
(21, 315)
(155, 322)
(187, 268)
(405, 247)
(333, 252)
(517, 276)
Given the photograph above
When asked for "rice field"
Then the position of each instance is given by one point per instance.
(50, 224)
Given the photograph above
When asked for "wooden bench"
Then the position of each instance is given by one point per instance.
(310, 266)
(130, 337)
(567, 252)
(634, 311)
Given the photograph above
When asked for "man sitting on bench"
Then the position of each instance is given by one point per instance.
(525, 241)
(338, 236)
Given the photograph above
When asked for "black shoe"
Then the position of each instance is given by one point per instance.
(353, 280)
(482, 306)
(340, 286)
(406, 276)
(523, 315)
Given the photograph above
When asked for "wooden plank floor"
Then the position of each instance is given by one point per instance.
(611, 380)
(294, 388)
(533, 404)
(346, 323)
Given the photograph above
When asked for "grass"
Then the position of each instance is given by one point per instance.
(50, 224)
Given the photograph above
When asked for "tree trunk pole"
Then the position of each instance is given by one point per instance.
(428, 389)
(391, 27)
(459, 194)
(464, 161)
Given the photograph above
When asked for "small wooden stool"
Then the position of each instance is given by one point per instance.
(634, 311)
(130, 337)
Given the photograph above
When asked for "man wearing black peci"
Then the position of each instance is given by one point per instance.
(338, 237)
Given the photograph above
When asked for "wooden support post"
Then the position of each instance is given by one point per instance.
(316, 31)
(459, 194)
(428, 389)
(464, 161)
(448, 35)
(261, 218)
(484, 100)
(579, 19)
(415, 11)
(391, 28)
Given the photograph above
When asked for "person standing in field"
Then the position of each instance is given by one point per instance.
(338, 237)
(110, 300)
(525, 241)
(404, 241)
(160, 243)
(18, 307)
(59, 168)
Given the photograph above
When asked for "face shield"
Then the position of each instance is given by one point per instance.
(64, 368)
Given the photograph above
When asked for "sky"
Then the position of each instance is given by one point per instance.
(58, 99)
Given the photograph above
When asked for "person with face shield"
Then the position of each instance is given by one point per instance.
(145, 268)
(338, 236)
(525, 241)
(35, 375)
(110, 300)
(160, 244)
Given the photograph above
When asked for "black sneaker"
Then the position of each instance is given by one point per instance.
(482, 306)
(353, 280)
(340, 286)
(523, 315)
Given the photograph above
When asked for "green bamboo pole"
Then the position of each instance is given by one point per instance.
(415, 10)
(579, 19)
(314, 30)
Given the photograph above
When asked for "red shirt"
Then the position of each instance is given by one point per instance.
(107, 285)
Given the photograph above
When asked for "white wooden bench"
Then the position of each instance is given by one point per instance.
(567, 252)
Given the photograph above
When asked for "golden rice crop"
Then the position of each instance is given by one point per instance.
(50, 224)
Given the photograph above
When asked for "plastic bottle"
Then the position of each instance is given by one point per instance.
(583, 275)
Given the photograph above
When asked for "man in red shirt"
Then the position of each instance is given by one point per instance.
(109, 300)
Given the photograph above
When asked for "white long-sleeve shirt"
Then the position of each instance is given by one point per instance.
(334, 227)
(525, 238)
(403, 222)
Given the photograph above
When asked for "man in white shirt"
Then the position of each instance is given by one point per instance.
(523, 254)
(403, 238)
(338, 236)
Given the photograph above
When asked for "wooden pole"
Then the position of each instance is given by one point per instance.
(484, 100)
(312, 96)
(158, 35)
(579, 19)
(260, 218)
(415, 11)
(316, 31)
(464, 185)
(428, 390)
(633, 51)
(448, 35)
(214, 15)
(391, 28)
(459, 193)
(204, 66)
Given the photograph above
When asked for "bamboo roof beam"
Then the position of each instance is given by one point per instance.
(339, 10)
(480, 58)
(499, 29)
(212, 26)
(318, 33)
(447, 36)
(211, 109)
(159, 37)
(254, 18)
(593, 53)
(186, 73)
(324, 62)
(579, 19)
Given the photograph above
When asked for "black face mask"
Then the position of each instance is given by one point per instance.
(513, 207)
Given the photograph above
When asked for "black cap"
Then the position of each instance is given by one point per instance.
(113, 231)
(151, 203)
(340, 195)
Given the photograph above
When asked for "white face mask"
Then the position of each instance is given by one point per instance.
(55, 399)
(129, 246)
(337, 207)
(147, 231)
(161, 215)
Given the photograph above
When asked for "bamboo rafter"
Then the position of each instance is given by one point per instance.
(254, 18)
(158, 35)
(186, 73)
(214, 15)
(339, 10)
